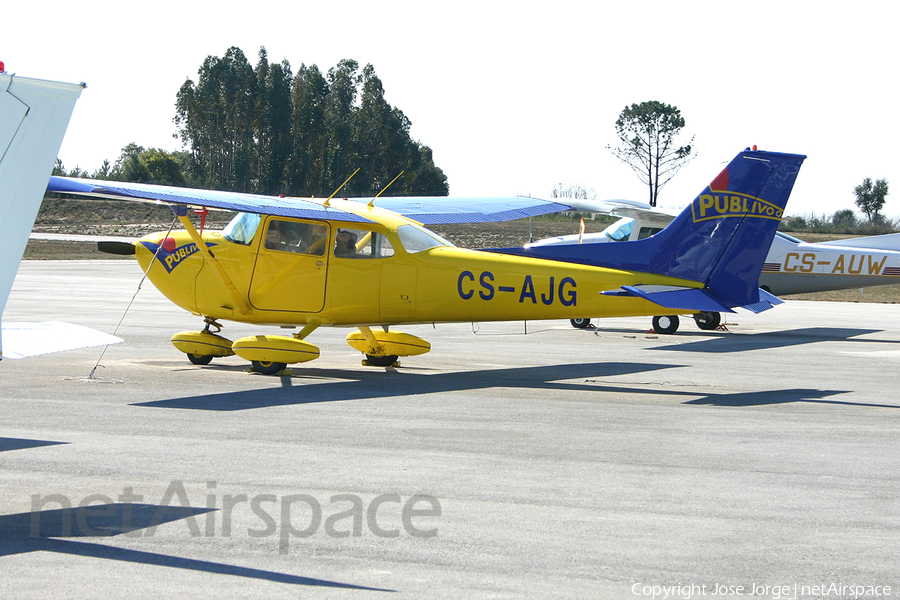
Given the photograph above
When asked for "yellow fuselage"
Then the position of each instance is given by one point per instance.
(255, 282)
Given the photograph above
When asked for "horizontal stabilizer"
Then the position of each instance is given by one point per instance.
(674, 297)
(685, 298)
(21, 340)
(766, 301)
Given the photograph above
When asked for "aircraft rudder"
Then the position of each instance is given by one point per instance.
(734, 277)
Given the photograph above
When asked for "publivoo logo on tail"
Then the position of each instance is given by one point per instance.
(722, 204)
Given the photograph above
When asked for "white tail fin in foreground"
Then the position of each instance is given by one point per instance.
(34, 115)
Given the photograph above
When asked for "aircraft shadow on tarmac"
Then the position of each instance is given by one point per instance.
(772, 397)
(7, 444)
(371, 385)
(774, 339)
(58, 531)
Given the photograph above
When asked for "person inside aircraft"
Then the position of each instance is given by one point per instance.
(315, 240)
(345, 244)
(275, 239)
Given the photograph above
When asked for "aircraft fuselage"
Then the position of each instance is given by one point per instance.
(390, 277)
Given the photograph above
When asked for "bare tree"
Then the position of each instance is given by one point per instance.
(647, 132)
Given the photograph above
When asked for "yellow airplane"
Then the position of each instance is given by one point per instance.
(302, 263)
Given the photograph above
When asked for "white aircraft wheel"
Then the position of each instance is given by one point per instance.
(381, 361)
(580, 323)
(200, 359)
(707, 320)
(667, 324)
(268, 368)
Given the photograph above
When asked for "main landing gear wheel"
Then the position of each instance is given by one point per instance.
(381, 361)
(199, 359)
(667, 324)
(268, 368)
(580, 323)
(707, 321)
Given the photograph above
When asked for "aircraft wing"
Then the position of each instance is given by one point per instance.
(441, 210)
(21, 340)
(890, 241)
(606, 207)
(639, 211)
(426, 210)
(270, 205)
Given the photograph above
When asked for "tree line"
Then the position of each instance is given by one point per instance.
(266, 130)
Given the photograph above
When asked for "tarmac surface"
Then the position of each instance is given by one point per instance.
(514, 460)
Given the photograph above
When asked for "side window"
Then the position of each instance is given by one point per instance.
(646, 232)
(361, 243)
(296, 236)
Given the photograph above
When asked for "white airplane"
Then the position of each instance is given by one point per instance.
(34, 115)
(791, 266)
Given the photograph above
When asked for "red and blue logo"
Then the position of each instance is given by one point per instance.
(170, 255)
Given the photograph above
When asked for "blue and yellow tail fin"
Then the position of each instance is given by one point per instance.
(720, 240)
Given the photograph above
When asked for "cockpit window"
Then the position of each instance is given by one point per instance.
(297, 236)
(788, 237)
(645, 232)
(361, 243)
(417, 239)
(242, 228)
(620, 230)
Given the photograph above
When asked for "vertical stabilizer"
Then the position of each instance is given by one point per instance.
(34, 115)
(720, 240)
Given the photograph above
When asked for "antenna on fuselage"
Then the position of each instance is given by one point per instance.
(372, 201)
(334, 193)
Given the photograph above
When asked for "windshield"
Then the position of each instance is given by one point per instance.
(242, 228)
(788, 237)
(620, 230)
(416, 239)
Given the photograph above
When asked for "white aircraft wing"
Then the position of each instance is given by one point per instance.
(21, 340)
(890, 241)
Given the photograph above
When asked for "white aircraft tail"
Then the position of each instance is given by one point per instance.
(34, 115)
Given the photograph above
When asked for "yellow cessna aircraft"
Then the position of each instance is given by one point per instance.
(306, 263)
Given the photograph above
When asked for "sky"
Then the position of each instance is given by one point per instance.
(512, 97)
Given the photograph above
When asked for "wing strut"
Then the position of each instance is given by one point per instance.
(182, 213)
